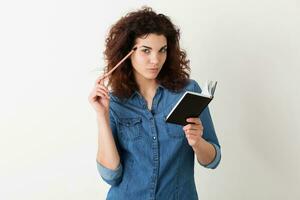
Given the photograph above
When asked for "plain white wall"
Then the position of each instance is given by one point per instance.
(51, 53)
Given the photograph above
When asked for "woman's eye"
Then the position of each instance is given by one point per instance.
(164, 50)
(146, 50)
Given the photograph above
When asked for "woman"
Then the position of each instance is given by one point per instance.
(139, 154)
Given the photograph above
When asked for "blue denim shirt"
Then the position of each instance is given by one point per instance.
(156, 159)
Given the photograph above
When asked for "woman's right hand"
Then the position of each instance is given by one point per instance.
(99, 97)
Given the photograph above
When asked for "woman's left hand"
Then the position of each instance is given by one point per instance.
(193, 132)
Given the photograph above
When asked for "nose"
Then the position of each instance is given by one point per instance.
(154, 59)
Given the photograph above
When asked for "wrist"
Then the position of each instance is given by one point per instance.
(198, 144)
(102, 116)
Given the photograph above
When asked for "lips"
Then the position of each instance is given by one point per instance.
(153, 69)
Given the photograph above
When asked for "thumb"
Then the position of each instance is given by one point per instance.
(102, 81)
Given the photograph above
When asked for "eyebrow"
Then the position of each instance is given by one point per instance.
(151, 48)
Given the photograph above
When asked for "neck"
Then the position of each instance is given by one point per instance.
(147, 88)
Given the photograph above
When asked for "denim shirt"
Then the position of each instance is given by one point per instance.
(156, 159)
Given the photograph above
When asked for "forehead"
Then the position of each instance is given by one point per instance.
(152, 40)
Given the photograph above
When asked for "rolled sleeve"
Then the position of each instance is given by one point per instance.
(216, 160)
(112, 177)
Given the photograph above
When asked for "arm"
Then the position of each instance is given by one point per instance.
(108, 158)
(204, 143)
(107, 154)
(203, 139)
(208, 154)
(205, 152)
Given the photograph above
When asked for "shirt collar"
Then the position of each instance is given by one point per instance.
(135, 92)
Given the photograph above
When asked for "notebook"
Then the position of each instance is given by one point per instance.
(191, 104)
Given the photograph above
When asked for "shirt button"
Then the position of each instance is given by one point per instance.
(154, 138)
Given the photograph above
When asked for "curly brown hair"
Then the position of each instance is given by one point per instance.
(175, 72)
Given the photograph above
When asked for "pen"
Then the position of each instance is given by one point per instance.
(117, 65)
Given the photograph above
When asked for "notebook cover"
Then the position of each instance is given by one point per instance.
(191, 105)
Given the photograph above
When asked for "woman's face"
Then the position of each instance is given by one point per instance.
(149, 57)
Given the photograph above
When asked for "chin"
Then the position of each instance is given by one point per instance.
(151, 77)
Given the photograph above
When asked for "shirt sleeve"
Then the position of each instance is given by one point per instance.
(111, 176)
(209, 133)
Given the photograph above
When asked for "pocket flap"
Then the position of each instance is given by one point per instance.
(130, 121)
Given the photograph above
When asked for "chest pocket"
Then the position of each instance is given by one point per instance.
(130, 128)
(174, 130)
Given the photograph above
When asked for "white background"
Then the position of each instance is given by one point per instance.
(51, 53)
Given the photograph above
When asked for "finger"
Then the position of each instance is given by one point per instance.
(187, 136)
(93, 94)
(193, 132)
(92, 97)
(103, 87)
(189, 126)
(194, 120)
(104, 92)
(192, 137)
(192, 127)
(99, 79)
(100, 94)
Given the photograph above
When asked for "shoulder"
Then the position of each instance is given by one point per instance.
(115, 99)
(193, 86)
